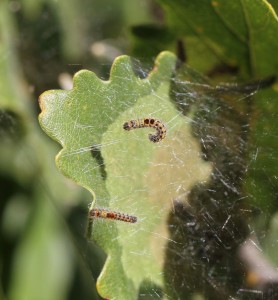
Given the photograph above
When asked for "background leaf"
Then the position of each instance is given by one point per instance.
(240, 33)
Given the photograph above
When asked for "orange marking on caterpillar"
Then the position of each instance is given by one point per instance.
(112, 215)
(148, 122)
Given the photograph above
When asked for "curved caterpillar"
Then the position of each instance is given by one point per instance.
(109, 214)
(148, 122)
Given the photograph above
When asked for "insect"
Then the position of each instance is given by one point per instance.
(148, 122)
(109, 214)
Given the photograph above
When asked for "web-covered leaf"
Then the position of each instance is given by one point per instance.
(125, 171)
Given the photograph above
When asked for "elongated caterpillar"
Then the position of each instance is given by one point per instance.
(109, 214)
(148, 122)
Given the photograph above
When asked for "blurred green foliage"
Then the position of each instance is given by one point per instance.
(43, 252)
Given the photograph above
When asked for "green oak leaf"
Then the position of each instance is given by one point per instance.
(124, 171)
